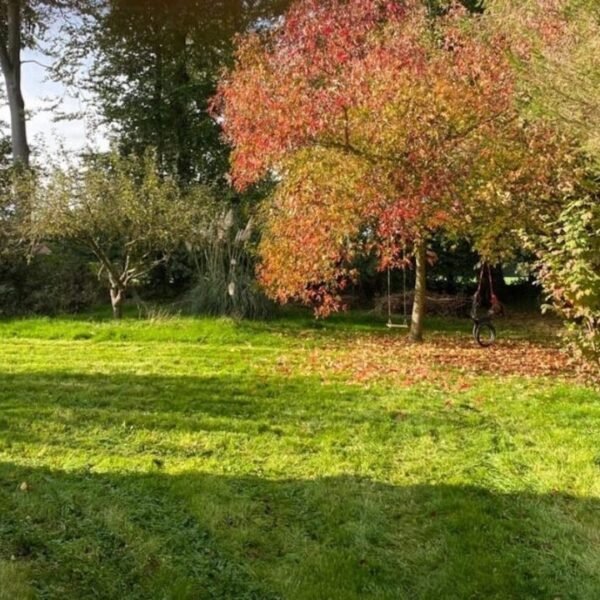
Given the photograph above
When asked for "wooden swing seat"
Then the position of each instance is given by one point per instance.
(391, 325)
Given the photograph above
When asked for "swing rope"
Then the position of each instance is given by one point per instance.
(390, 322)
(496, 306)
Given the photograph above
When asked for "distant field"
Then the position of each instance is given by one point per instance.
(203, 458)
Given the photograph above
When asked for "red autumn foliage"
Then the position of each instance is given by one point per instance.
(379, 125)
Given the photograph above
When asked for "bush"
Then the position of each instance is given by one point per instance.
(569, 270)
(59, 280)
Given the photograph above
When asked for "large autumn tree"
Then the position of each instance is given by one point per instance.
(379, 124)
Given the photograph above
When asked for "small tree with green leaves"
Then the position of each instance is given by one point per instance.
(121, 210)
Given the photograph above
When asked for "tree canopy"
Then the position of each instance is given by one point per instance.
(152, 66)
(556, 44)
(380, 124)
(121, 211)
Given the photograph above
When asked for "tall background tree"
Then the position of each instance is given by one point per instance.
(13, 36)
(23, 24)
(152, 66)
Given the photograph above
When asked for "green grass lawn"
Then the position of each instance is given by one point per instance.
(203, 458)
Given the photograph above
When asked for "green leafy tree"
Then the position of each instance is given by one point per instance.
(569, 270)
(6, 208)
(121, 211)
(557, 50)
(557, 47)
(154, 68)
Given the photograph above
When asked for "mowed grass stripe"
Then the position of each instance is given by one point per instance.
(230, 468)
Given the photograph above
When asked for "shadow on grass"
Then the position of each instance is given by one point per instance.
(196, 535)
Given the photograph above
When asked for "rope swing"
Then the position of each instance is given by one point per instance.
(390, 322)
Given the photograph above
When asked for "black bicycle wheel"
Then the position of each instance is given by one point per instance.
(484, 334)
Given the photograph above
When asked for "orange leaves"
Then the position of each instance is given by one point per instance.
(391, 359)
(375, 130)
(311, 227)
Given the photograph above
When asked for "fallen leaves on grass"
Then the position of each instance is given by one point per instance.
(374, 358)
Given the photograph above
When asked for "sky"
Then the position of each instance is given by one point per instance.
(45, 135)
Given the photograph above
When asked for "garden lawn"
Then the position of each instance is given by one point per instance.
(203, 458)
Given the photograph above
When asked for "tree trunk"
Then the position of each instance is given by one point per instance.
(117, 295)
(181, 99)
(18, 126)
(158, 97)
(10, 61)
(418, 312)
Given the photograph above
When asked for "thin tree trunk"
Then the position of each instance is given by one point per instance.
(18, 125)
(182, 111)
(158, 99)
(117, 296)
(418, 312)
(10, 61)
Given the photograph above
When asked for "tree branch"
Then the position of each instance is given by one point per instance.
(36, 62)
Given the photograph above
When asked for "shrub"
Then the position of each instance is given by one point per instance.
(569, 270)
(57, 280)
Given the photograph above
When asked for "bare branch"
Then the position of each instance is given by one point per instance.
(36, 62)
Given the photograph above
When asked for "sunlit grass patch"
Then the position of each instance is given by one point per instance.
(201, 458)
